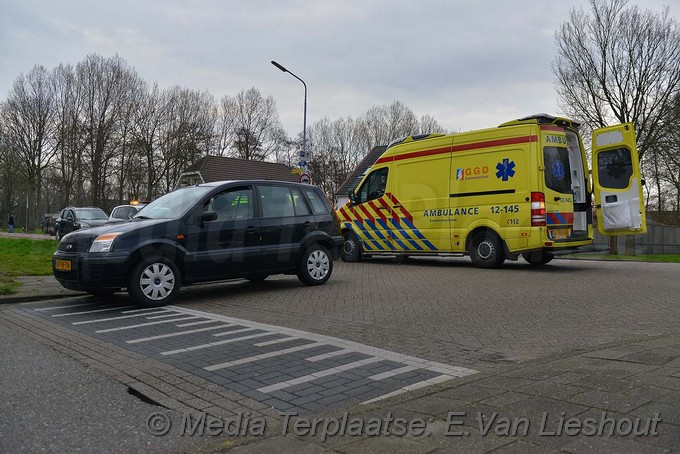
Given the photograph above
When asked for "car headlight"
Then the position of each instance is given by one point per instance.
(104, 243)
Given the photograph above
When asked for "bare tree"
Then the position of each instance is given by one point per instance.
(28, 116)
(619, 64)
(385, 123)
(69, 143)
(250, 123)
(186, 134)
(10, 177)
(105, 85)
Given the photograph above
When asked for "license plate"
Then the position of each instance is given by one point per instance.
(62, 265)
(560, 234)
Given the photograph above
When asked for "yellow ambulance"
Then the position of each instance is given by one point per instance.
(522, 188)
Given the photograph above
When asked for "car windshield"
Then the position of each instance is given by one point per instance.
(173, 204)
(91, 215)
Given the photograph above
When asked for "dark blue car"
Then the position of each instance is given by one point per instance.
(208, 232)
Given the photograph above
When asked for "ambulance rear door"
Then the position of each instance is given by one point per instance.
(617, 182)
(559, 192)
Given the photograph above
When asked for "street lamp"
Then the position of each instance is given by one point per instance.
(304, 121)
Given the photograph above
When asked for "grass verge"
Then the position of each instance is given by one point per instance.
(24, 257)
(665, 258)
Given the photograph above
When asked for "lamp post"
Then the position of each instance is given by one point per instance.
(304, 121)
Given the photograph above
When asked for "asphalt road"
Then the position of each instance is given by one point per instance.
(442, 310)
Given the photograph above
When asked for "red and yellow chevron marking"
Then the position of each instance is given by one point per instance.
(383, 224)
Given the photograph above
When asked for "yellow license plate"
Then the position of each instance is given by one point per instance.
(63, 265)
(560, 234)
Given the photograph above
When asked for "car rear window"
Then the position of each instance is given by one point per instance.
(319, 205)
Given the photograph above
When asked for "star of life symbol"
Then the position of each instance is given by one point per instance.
(505, 169)
(558, 170)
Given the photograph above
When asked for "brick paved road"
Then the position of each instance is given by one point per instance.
(449, 311)
(459, 318)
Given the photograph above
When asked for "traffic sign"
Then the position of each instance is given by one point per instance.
(305, 178)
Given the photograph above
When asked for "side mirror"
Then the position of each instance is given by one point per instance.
(208, 216)
(352, 197)
(643, 182)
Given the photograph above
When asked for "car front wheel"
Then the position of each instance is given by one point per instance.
(154, 282)
(316, 266)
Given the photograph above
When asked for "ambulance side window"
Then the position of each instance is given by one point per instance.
(374, 186)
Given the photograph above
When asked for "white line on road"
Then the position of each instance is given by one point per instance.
(180, 333)
(214, 344)
(251, 359)
(317, 375)
(120, 328)
(119, 317)
(91, 312)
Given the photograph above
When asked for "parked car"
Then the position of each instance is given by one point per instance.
(72, 218)
(208, 232)
(125, 212)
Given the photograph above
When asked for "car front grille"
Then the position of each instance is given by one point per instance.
(73, 247)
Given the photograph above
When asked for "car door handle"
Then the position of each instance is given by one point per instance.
(396, 206)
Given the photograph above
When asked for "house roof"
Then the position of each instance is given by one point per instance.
(354, 178)
(217, 168)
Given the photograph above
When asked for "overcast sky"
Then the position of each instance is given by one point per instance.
(469, 64)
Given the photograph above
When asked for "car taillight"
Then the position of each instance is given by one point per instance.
(537, 209)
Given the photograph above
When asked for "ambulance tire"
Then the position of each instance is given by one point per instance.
(486, 250)
(351, 248)
(536, 259)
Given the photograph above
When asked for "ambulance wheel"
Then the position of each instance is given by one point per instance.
(538, 258)
(351, 248)
(486, 250)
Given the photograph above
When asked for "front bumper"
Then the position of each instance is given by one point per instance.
(90, 270)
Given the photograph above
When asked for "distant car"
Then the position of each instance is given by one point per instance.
(76, 218)
(125, 212)
(234, 229)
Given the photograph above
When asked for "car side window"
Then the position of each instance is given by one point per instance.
(68, 215)
(374, 186)
(232, 205)
(299, 203)
(318, 206)
(276, 201)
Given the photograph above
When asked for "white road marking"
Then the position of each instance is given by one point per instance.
(251, 359)
(91, 312)
(180, 333)
(214, 344)
(120, 328)
(317, 375)
(118, 318)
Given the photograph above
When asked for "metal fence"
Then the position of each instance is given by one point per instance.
(659, 239)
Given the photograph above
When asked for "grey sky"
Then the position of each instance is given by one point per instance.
(470, 64)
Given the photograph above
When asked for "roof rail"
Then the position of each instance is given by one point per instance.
(413, 138)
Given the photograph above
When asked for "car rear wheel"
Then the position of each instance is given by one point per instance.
(351, 248)
(486, 250)
(316, 266)
(154, 282)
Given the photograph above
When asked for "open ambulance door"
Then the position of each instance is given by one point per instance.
(617, 183)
